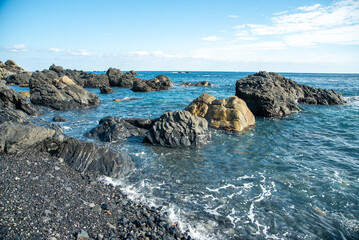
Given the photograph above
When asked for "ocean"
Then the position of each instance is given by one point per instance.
(295, 177)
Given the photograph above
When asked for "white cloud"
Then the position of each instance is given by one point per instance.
(211, 38)
(309, 8)
(233, 16)
(18, 48)
(335, 24)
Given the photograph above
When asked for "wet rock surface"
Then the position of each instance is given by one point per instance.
(272, 95)
(106, 90)
(43, 198)
(117, 78)
(114, 129)
(178, 129)
(9, 98)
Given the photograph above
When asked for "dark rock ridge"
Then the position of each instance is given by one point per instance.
(141, 123)
(119, 79)
(18, 78)
(158, 83)
(114, 129)
(61, 94)
(272, 95)
(199, 84)
(9, 98)
(81, 78)
(106, 90)
(21, 135)
(178, 129)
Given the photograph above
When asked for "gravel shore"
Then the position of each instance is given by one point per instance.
(43, 198)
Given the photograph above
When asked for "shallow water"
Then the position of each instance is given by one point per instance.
(291, 178)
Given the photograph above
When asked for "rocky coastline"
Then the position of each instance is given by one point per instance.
(49, 181)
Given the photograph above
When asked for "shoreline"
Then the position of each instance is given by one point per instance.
(42, 197)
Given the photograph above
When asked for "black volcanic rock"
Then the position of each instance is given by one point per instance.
(18, 78)
(178, 129)
(158, 83)
(22, 135)
(106, 90)
(114, 129)
(272, 95)
(47, 90)
(119, 79)
(9, 98)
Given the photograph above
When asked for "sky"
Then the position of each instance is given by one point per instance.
(171, 35)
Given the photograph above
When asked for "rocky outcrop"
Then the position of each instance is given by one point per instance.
(81, 78)
(230, 114)
(9, 98)
(272, 95)
(178, 129)
(18, 78)
(59, 93)
(106, 90)
(10, 68)
(199, 84)
(114, 129)
(158, 83)
(119, 79)
(20, 134)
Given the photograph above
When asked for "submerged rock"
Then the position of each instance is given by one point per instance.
(229, 114)
(59, 93)
(272, 95)
(9, 98)
(199, 84)
(158, 83)
(58, 119)
(178, 129)
(114, 129)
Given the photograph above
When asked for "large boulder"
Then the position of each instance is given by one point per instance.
(178, 129)
(21, 135)
(114, 129)
(9, 98)
(272, 95)
(119, 79)
(59, 93)
(84, 156)
(158, 83)
(106, 90)
(230, 114)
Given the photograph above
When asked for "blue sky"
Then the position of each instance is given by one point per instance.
(204, 35)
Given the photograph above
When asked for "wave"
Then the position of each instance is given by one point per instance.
(353, 101)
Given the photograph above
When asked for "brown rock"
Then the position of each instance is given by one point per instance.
(25, 93)
(230, 114)
(64, 80)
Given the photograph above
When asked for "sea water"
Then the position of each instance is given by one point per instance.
(295, 177)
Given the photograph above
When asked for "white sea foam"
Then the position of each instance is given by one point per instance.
(223, 187)
(353, 101)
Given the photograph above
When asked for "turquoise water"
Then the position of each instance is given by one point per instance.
(295, 177)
